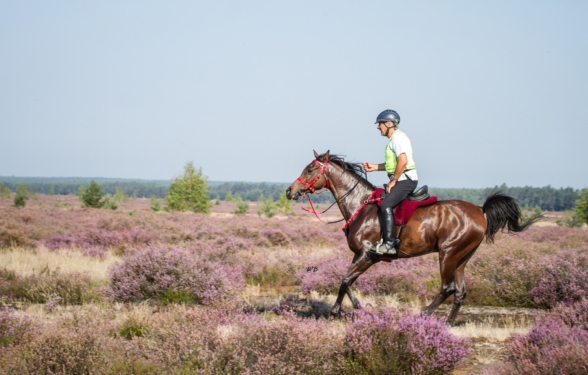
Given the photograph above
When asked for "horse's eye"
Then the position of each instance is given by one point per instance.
(309, 171)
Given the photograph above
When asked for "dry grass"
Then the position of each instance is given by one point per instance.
(27, 262)
(493, 330)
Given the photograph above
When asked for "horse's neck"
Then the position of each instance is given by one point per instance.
(342, 182)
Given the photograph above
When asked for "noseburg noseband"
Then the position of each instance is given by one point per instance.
(308, 185)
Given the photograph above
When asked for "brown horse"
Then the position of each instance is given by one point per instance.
(453, 228)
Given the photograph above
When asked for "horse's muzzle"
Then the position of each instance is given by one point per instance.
(291, 195)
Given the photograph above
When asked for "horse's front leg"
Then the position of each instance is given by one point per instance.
(356, 269)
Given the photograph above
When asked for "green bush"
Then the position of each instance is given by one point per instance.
(108, 203)
(155, 204)
(266, 207)
(229, 197)
(91, 196)
(22, 195)
(189, 192)
(581, 207)
(284, 204)
(4, 191)
(242, 206)
(569, 219)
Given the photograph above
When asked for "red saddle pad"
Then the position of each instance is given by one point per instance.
(403, 212)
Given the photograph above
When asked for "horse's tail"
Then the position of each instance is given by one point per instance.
(503, 211)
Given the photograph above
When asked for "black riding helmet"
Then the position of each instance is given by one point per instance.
(389, 115)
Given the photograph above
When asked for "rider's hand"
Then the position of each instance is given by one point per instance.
(368, 167)
(390, 185)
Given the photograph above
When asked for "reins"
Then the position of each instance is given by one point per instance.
(308, 187)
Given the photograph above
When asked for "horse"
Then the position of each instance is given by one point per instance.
(453, 228)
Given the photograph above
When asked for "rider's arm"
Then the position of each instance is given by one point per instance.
(400, 165)
(369, 167)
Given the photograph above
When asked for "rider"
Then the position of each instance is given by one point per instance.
(402, 173)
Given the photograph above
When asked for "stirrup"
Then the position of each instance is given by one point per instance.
(380, 248)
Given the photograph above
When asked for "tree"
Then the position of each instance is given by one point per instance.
(92, 194)
(581, 208)
(229, 197)
(189, 192)
(266, 207)
(155, 204)
(22, 195)
(242, 206)
(4, 191)
(284, 204)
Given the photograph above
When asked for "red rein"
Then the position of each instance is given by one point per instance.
(308, 187)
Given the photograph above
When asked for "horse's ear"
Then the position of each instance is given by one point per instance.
(326, 155)
(315, 154)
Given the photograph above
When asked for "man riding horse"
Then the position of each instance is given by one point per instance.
(402, 173)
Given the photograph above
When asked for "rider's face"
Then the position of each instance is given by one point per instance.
(382, 127)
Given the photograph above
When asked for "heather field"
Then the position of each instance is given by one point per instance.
(132, 291)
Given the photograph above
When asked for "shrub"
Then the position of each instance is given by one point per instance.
(565, 279)
(22, 195)
(4, 191)
(581, 207)
(569, 219)
(551, 347)
(386, 342)
(505, 277)
(189, 192)
(289, 345)
(109, 204)
(155, 204)
(242, 206)
(63, 288)
(266, 207)
(91, 196)
(174, 274)
(15, 330)
(284, 204)
(71, 346)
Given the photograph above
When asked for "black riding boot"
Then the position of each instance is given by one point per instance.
(387, 244)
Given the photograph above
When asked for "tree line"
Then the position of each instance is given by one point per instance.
(545, 198)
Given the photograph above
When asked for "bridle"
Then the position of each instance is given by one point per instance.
(308, 188)
(308, 185)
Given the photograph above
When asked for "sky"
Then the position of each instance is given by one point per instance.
(488, 92)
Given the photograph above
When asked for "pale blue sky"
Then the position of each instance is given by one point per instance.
(489, 93)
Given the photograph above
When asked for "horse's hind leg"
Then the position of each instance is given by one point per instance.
(356, 269)
(460, 287)
(447, 289)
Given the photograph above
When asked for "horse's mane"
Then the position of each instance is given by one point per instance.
(355, 168)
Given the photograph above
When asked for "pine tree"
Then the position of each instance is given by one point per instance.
(22, 195)
(581, 208)
(242, 206)
(266, 207)
(284, 204)
(4, 191)
(189, 192)
(91, 196)
(155, 204)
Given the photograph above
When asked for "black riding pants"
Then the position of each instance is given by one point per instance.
(399, 192)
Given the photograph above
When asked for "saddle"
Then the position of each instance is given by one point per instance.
(403, 212)
(419, 194)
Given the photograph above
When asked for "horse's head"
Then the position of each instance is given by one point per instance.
(312, 178)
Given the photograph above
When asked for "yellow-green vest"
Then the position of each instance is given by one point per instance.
(391, 158)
